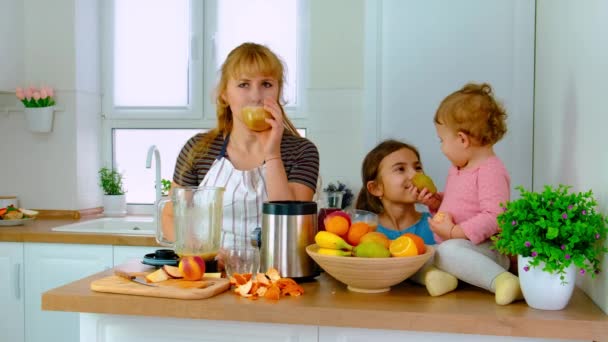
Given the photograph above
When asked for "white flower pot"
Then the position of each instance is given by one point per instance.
(543, 290)
(114, 205)
(40, 119)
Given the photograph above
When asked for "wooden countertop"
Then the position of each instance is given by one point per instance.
(40, 230)
(327, 302)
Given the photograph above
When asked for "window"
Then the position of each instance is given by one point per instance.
(160, 67)
(253, 21)
(151, 54)
(131, 151)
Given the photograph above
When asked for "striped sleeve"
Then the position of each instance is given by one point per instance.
(301, 159)
(191, 171)
(184, 173)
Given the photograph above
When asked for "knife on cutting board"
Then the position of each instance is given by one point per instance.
(135, 272)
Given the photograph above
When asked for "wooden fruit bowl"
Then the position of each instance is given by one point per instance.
(369, 275)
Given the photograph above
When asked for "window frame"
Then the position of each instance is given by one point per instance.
(200, 114)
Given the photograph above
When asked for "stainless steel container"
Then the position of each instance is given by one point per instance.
(287, 228)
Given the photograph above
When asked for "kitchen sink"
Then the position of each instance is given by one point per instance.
(131, 225)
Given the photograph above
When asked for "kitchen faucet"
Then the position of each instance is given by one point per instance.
(158, 184)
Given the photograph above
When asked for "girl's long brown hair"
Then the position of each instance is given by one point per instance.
(245, 59)
(369, 172)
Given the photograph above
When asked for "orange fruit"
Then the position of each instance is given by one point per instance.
(403, 246)
(355, 232)
(337, 225)
(377, 237)
(418, 241)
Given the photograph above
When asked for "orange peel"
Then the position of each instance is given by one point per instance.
(270, 285)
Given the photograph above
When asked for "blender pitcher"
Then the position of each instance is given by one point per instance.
(197, 221)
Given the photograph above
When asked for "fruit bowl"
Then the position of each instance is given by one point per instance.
(369, 275)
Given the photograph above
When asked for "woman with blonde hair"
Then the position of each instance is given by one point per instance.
(256, 159)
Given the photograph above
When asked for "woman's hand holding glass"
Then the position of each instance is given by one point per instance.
(272, 147)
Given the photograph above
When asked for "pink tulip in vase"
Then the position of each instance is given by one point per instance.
(39, 107)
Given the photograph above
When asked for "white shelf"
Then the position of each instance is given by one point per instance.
(8, 110)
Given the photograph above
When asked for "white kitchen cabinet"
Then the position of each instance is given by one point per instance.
(330, 334)
(11, 292)
(11, 44)
(123, 254)
(47, 266)
(116, 328)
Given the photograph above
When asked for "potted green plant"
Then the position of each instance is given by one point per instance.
(114, 201)
(338, 196)
(556, 235)
(165, 187)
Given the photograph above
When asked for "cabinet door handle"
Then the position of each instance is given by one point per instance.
(18, 281)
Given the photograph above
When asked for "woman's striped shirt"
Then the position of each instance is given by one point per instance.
(300, 158)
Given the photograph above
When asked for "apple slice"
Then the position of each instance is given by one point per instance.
(157, 276)
(173, 271)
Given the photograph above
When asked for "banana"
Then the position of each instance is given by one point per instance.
(332, 241)
(334, 252)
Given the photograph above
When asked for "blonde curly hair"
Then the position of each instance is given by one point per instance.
(474, 111)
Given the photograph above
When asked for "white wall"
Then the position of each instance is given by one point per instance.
(335, 94)
(425, 50)
(570, 106)
(56, 170)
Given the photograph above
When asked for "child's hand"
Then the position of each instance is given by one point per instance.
(433, 201)
(442, 224)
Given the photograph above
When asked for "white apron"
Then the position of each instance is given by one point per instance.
(245, 192)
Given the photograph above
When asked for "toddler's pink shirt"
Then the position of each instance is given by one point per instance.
(473, 198)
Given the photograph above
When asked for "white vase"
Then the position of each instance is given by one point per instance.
(544, 290)
(40, 119)
(114, 205)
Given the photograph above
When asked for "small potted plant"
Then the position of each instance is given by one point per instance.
(114, 201)
(338, 196)
(39, 107)
(556, 235)
(165, 187)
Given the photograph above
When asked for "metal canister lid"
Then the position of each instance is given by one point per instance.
(289, 208)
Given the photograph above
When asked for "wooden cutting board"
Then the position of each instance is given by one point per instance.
(172, 288)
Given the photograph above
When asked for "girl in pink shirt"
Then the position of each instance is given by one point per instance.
(469, 122)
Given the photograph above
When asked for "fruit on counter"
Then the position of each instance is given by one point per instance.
(356, 231)
(421, 181)
(157, 276)
(341, 213)
(336, 224)
(192, 267)
(418, 241)
(254, 118)
(334, 252)
(371, 249)
(329, 240)
(12, 213)
(403, 246)
(376, 237)
(173, 272)
(28, 212)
